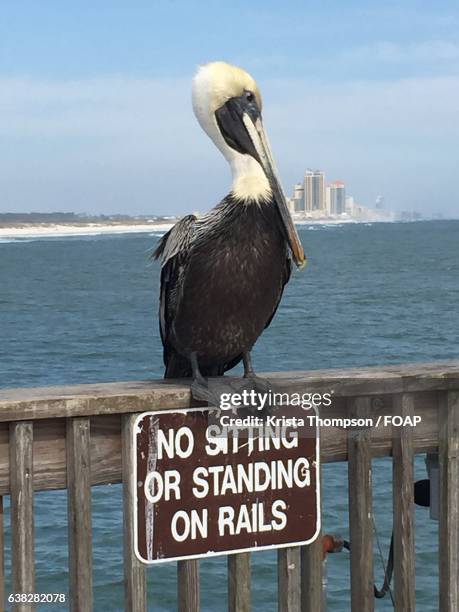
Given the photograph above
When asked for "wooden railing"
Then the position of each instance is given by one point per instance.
(80, 436)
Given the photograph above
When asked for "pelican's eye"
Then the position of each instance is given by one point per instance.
(249, 96)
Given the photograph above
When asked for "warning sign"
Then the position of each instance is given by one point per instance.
(203, 488)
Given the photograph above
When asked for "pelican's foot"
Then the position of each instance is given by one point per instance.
(211, 395)
(259, 384)
(201, 392)
(260, 388)
(254, 395)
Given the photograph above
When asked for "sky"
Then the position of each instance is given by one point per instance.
(95, 100)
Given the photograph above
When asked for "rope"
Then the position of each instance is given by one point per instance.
(380, 593)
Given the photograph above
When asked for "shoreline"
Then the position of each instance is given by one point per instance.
(93, 229)
(56, 230)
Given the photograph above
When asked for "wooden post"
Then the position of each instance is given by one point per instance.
(135, 588)
(188, 585)
(360, 510)
(2, 559)
(79, 513)
(22, 520)
(312, 595)
(239, 582)
(449, 501)
(403, 506)
(288, 579)
(312, 591)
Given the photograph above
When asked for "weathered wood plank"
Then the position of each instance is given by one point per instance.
(288, 579)
(50, 457)
(50, 454)
(138, 396)
(449, 502)
(311, 577)
(22, 517)
(239, 596)
(425, 434)
(79, 513)
(360, 510)
(403, 507)
(2, 558)
(135, 583)
(188, 585)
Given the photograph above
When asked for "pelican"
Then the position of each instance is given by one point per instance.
(223, 274)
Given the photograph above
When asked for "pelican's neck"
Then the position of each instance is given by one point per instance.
(249, 180)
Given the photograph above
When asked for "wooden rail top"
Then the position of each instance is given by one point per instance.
(137, 396)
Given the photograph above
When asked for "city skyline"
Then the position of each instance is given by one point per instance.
(314, 198)
(96, 112)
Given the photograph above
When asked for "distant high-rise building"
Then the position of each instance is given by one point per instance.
(298, 197)
(327, 200)
(314, 190)
(337, 198)
(350, 205)
(379, 202)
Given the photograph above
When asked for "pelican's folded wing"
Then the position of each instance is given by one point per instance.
(177, 240)
(173, 251)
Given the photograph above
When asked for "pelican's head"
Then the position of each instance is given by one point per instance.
(227, 104)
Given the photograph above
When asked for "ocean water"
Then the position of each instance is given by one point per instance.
(83, 309)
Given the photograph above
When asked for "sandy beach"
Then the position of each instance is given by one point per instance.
(92, 229)
(46, 230)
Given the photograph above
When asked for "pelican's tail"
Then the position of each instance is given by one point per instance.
(177, 366)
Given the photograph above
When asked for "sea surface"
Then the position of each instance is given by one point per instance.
(84, 309)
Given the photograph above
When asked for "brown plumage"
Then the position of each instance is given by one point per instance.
(221, 281)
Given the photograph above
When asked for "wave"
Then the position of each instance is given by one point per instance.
(93, 236)
(9, 240)
(318, 226)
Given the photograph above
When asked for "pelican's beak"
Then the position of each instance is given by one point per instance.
(240, 124)
(261, 145)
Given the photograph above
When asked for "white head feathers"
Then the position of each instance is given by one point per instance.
(214, 84)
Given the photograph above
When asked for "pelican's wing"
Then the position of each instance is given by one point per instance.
(173, 250)
(287, 273)
(177, 240)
